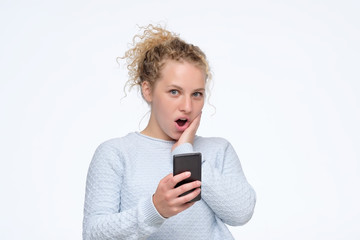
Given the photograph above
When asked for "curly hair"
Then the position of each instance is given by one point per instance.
(152, 48)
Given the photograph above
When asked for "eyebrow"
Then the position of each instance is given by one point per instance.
(178, 87)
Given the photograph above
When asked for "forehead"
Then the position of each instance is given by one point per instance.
(183, 74)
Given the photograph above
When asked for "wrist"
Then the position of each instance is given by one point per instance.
(156, 207)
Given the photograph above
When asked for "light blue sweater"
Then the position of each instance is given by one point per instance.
(125, 172)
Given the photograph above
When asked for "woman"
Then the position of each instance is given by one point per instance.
(130, 189)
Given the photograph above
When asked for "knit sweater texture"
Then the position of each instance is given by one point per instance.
(125, 172)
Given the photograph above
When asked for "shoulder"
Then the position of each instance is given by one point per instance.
(116, 144)
(215, 150)
(211, 142)
(111, 152)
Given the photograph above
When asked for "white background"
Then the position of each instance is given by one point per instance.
(286, 92)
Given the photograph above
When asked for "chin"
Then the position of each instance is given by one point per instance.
(175, 136)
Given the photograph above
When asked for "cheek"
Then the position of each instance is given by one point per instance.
(200, 105)
(163, 111)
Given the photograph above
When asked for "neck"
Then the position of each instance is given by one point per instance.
(153, 130)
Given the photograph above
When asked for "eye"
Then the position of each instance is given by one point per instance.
(198, 94)
(174, 92)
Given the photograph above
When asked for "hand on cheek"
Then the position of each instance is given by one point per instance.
(189, 134)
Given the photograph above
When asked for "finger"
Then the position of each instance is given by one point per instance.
(167, 178)
(195, 122)
(186, 187)
(178, 178)
(186, 206)
(188, 197)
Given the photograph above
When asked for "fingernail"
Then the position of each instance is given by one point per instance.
(188, 173)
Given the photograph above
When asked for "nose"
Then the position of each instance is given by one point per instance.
(186, 105)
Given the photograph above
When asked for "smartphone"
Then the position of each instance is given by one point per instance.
(188, 162)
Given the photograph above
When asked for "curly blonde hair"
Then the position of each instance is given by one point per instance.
(152, 48)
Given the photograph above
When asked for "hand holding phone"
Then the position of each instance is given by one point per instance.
(188, 162)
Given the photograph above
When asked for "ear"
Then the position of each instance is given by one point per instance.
(146, 91)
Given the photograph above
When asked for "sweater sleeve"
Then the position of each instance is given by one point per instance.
(225, 188)
(103, 218)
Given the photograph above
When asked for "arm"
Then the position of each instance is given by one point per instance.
(226, 190)
(224, 186)
(103, 218)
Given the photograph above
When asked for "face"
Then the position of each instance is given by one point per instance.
(176, 99)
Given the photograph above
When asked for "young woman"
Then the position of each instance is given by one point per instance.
(130, 189)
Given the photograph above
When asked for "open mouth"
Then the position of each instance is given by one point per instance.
(181, 122)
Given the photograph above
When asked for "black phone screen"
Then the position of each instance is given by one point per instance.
(188, 162)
